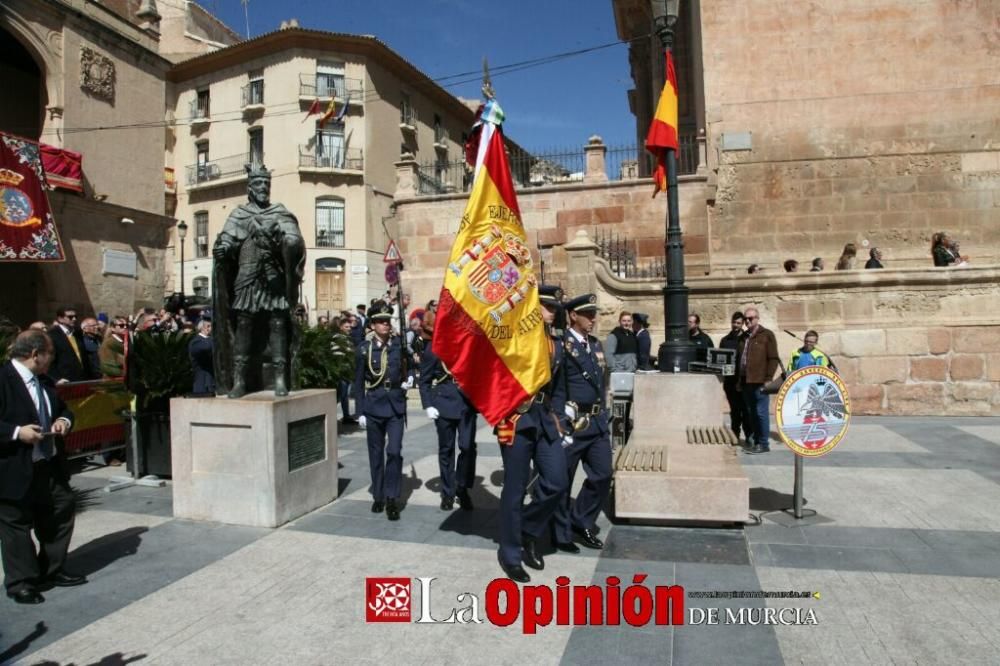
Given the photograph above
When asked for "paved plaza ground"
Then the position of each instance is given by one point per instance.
(904, 551)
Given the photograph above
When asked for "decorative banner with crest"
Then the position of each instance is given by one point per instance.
(27, 230)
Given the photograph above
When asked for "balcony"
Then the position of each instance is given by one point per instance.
(327, 86)
(408, 119)
(219, 172)
(440, 138)
(198, 112)
(349, 161)
(252, 95)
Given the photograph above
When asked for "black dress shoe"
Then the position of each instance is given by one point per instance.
(567, 547)
(588, 538)
(26, 597)
(757, 449)
(65, 579)
(514, 571)
(464, 500)
(391, 510)
(447, 503)
(378, 506)
(530, 554)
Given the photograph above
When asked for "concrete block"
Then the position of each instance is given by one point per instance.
(862, 343)
(993, 367)
(939, 340)
(907, 342)
(929, 369)
(883, 370)
(696, 482)
(231, 459)
(966, 366)
(904, 399)
(866, 399)
(972, 391)
(976, 339)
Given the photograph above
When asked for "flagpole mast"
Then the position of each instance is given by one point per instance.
(677, 351)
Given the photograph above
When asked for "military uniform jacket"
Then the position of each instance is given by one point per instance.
(438, 388)
(379, 393)
(582, 381)
(541, 416)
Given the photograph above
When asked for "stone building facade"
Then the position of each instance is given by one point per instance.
(70, 67)
(249, 103)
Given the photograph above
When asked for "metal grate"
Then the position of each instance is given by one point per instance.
(711, 435)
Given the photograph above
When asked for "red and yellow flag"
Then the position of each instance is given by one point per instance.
(662, 134)
(489, 329)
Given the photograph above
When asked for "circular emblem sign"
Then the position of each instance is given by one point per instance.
(813, 411)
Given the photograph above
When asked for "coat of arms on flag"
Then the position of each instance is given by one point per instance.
(27, 230)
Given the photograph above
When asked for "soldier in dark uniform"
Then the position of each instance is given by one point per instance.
(581, 399)
(380, 383)
(453, 416)
(536, 437)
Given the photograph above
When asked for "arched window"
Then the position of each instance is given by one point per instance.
(330, 222)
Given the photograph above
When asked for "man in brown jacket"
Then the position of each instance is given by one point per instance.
(759, 360)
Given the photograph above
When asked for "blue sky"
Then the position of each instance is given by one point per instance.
(559, 105)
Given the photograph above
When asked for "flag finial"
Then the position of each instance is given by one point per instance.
(488, 92)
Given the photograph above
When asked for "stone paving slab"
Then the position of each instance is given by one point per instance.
(906, 557)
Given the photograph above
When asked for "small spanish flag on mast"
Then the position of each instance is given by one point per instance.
(662, 134)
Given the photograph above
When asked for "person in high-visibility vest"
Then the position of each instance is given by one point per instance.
(809, 354)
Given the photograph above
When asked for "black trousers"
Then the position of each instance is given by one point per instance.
(739, 418)
(50, 509)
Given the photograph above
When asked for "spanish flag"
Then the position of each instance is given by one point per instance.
(489, 329)
(662, 134)
(325, 118)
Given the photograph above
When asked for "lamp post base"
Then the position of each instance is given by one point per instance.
(675, 357)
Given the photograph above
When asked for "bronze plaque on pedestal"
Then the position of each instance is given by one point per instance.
(306, 442)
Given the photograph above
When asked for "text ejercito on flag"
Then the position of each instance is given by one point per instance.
(488, 329)
(662, 135)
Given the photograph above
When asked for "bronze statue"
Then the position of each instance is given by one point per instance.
(259, 261)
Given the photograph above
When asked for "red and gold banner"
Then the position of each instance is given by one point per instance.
(27, 230)
(662, 134)
(488, 329)
(63, 168)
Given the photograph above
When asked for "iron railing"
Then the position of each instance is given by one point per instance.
(198, 109)
(555, 167)
(407, 116)
(253, 93)
(330, 85)
(225, 167)
(339, 158)
(622, 257)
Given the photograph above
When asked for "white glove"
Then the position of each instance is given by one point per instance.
(362, 421)
(408, 384)
(567, 440)
(570, 411)
(433, 413)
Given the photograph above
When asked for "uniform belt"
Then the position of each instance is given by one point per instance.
(387, 386)
(589, 408)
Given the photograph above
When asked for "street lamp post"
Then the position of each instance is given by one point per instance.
(182, 229)
(677, 351)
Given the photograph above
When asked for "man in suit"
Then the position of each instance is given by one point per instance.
(70, 363)
(380, 384)
(34, 480)
(454, 418)
(200, 352)
(535, 436)
(580, 397)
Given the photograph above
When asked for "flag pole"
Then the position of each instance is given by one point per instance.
(677, 351)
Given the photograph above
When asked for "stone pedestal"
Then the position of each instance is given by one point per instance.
(677, 481)
(259, 461)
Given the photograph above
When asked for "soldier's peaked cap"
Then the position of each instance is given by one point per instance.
(380, 311)
(584, 303)
(550, 294)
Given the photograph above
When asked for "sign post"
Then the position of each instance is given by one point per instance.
(813, 411)
(394, 268)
